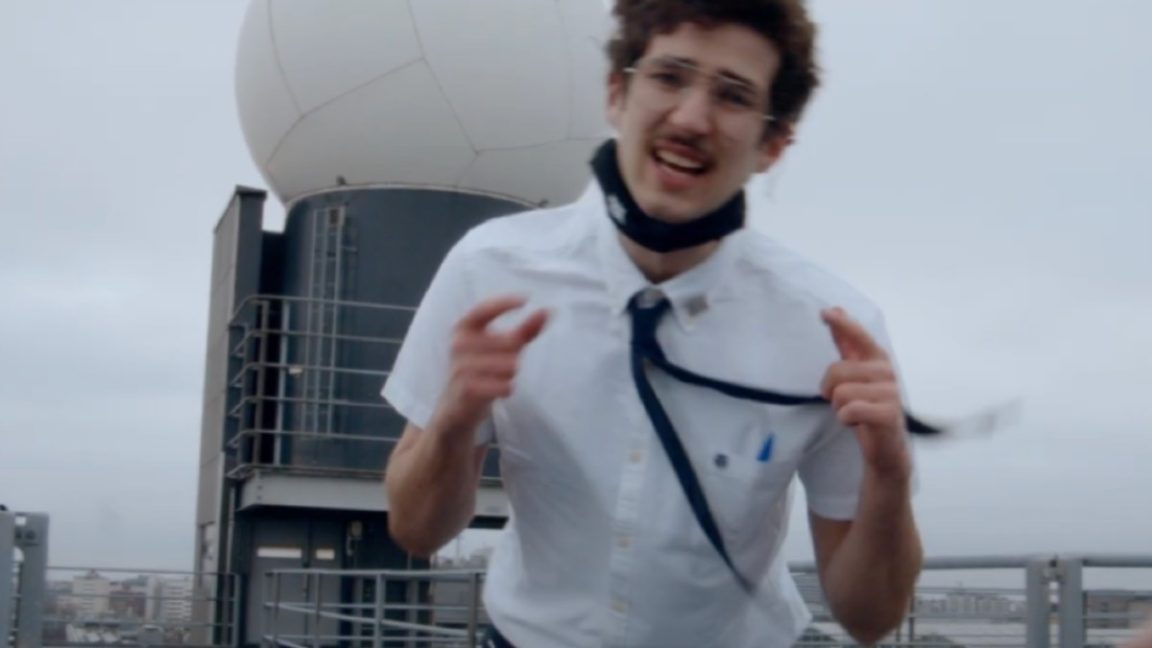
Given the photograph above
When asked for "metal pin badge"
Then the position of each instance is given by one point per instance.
(697, 305)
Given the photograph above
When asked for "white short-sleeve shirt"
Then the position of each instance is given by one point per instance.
(602, 548)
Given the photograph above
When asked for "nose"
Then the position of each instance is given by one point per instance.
(693, 111)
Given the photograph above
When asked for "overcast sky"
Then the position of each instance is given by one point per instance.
(982, 170)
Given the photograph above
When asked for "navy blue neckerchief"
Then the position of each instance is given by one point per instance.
(651, 233)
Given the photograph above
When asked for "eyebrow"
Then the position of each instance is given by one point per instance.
(727, 74)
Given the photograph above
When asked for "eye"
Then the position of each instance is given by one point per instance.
(735, 96)
(669, 78)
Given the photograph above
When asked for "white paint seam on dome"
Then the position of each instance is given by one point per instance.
(289, 203)
(568, 63)
(464, 174)
(432, 71)
(600, 46)
(378, 77)
(279, 63)
(367, 83)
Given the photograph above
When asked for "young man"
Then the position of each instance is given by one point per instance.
(590, 392)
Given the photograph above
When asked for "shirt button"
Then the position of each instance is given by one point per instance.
(636, 456)
(619, 606)
(623, 542)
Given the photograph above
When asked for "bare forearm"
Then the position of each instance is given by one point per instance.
(872, 576)
(431, 484)
(433, 474)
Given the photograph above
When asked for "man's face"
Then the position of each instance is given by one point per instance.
(684, 145)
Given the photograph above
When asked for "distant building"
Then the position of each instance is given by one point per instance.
(970, 605)
(91, 594)
(58, 599)
(1141, 608)
(127, 603)
(173, 600)
(1116, 608)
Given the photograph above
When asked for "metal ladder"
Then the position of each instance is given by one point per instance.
(327, 275)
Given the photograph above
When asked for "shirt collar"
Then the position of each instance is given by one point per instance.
(691, 292)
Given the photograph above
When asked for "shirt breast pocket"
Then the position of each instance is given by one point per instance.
(747, 491)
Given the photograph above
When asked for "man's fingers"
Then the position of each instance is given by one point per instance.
(847, 371)
(852, 340)
(870, 414)
(492, 365)
(530, 328)
(469, 343)
(487, 389)
(481, 315)
(472, 333)
(847, 393)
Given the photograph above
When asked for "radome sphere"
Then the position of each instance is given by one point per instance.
(501, 97)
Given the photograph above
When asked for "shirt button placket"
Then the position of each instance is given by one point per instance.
(621, 559)
(622, 563)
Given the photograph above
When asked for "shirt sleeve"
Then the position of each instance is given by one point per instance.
(420, 373)
(833, 467)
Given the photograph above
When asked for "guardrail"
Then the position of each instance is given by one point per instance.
(1051, 607)
(444, 608)
(304, 387)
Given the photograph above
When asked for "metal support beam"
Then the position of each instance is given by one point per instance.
(1039, 604)
(7, 564)
(473, 608)
(236, 584)
(1071, 578)
(27, 532)
(32, 538)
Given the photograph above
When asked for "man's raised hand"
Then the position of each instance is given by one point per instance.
(862, 389)
(484, 362)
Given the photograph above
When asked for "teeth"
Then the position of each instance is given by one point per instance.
(679, 161)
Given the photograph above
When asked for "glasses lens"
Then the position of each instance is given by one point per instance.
(663, 81)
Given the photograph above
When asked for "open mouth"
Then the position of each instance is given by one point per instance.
(680, 162)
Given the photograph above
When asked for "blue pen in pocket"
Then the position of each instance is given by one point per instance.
(766, 449)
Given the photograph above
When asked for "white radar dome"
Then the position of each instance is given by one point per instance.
(501, 97)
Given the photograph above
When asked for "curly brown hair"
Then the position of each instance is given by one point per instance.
(784, 22)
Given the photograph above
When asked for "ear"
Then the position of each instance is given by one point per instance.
(773, 146)
(615, 106)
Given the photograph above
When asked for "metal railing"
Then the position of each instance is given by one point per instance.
(1052, 608)
(303, 389)
(434, 608)
(443, 608)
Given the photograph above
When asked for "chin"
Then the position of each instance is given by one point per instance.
(671, 211)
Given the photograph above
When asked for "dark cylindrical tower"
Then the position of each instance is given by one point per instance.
(354, 264)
